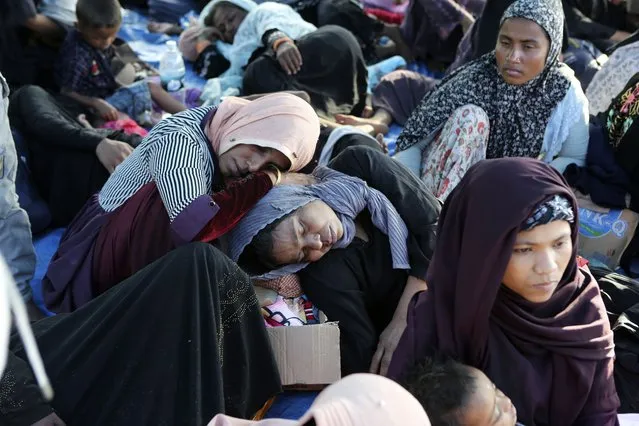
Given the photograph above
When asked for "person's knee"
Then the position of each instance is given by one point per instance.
(470, 115)
(28, 91)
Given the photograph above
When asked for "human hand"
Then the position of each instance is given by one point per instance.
(297, 179)
(388, 341)
(111, 153)
(381, 142)
(105, 110)
(51, 420)
(210, 34)
(289, 57)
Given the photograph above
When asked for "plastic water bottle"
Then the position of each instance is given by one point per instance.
(172, 71)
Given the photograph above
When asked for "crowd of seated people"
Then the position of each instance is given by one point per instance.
(452, 265)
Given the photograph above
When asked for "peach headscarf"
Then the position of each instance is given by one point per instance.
(356, 400)
(279, 121)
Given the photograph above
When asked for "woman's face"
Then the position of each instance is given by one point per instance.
(521, 51)
(306, 234)
(243, 159)
(227, 19)
(540, 257)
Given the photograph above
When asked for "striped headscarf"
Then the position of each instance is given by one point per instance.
(348, 196)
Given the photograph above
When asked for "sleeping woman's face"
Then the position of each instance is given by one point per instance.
(226, 18)
(539, 259)
(521, 51)
(243, 159)
(306, 235)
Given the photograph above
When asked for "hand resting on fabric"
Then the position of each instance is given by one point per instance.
(111, 153)
(389, 339)
(289, 57)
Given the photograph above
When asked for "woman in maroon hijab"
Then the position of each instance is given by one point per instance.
(506, 295)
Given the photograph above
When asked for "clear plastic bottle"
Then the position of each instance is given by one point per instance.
(172, 71)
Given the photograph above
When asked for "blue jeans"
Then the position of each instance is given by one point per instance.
(16, 245)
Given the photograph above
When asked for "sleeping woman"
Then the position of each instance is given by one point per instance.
(382, 220)
(273, 49)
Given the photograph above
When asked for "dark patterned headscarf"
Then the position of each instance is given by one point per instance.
(556, 208)
(518, 114)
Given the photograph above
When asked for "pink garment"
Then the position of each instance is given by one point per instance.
(356, 400)
(285, 312)
(280, 121)
(127, 125)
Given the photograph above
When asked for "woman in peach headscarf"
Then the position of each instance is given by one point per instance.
(171, 190)
(356, 400)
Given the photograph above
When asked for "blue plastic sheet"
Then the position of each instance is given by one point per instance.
(150, 46)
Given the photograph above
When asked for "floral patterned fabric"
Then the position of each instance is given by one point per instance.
(518, 115)
(613, 77)
(460, 144)
(623, 112)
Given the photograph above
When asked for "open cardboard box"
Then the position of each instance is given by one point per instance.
(307, 356)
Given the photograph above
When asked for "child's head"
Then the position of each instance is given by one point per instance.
(454, 394)
(99, 21)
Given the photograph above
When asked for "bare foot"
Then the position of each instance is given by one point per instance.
(351, 120)
(367, 112)
(83, 120)
(164, 28)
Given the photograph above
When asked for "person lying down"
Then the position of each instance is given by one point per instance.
(382, 220)
(455, 394)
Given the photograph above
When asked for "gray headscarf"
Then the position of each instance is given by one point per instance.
(518, 114)
(346, 195)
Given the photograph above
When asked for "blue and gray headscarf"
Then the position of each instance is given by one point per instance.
(348, 196)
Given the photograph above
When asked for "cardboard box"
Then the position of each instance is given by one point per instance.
(307, 355)
(604, 234)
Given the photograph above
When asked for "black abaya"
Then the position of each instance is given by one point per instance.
(175, 344)
(333, 72)
(357, 286)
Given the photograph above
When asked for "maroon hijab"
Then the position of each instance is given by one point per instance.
(554, 360)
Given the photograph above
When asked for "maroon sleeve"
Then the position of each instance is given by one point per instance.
(234, 202)
(601, 406)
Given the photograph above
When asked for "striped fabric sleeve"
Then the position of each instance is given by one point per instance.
(177, 165)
